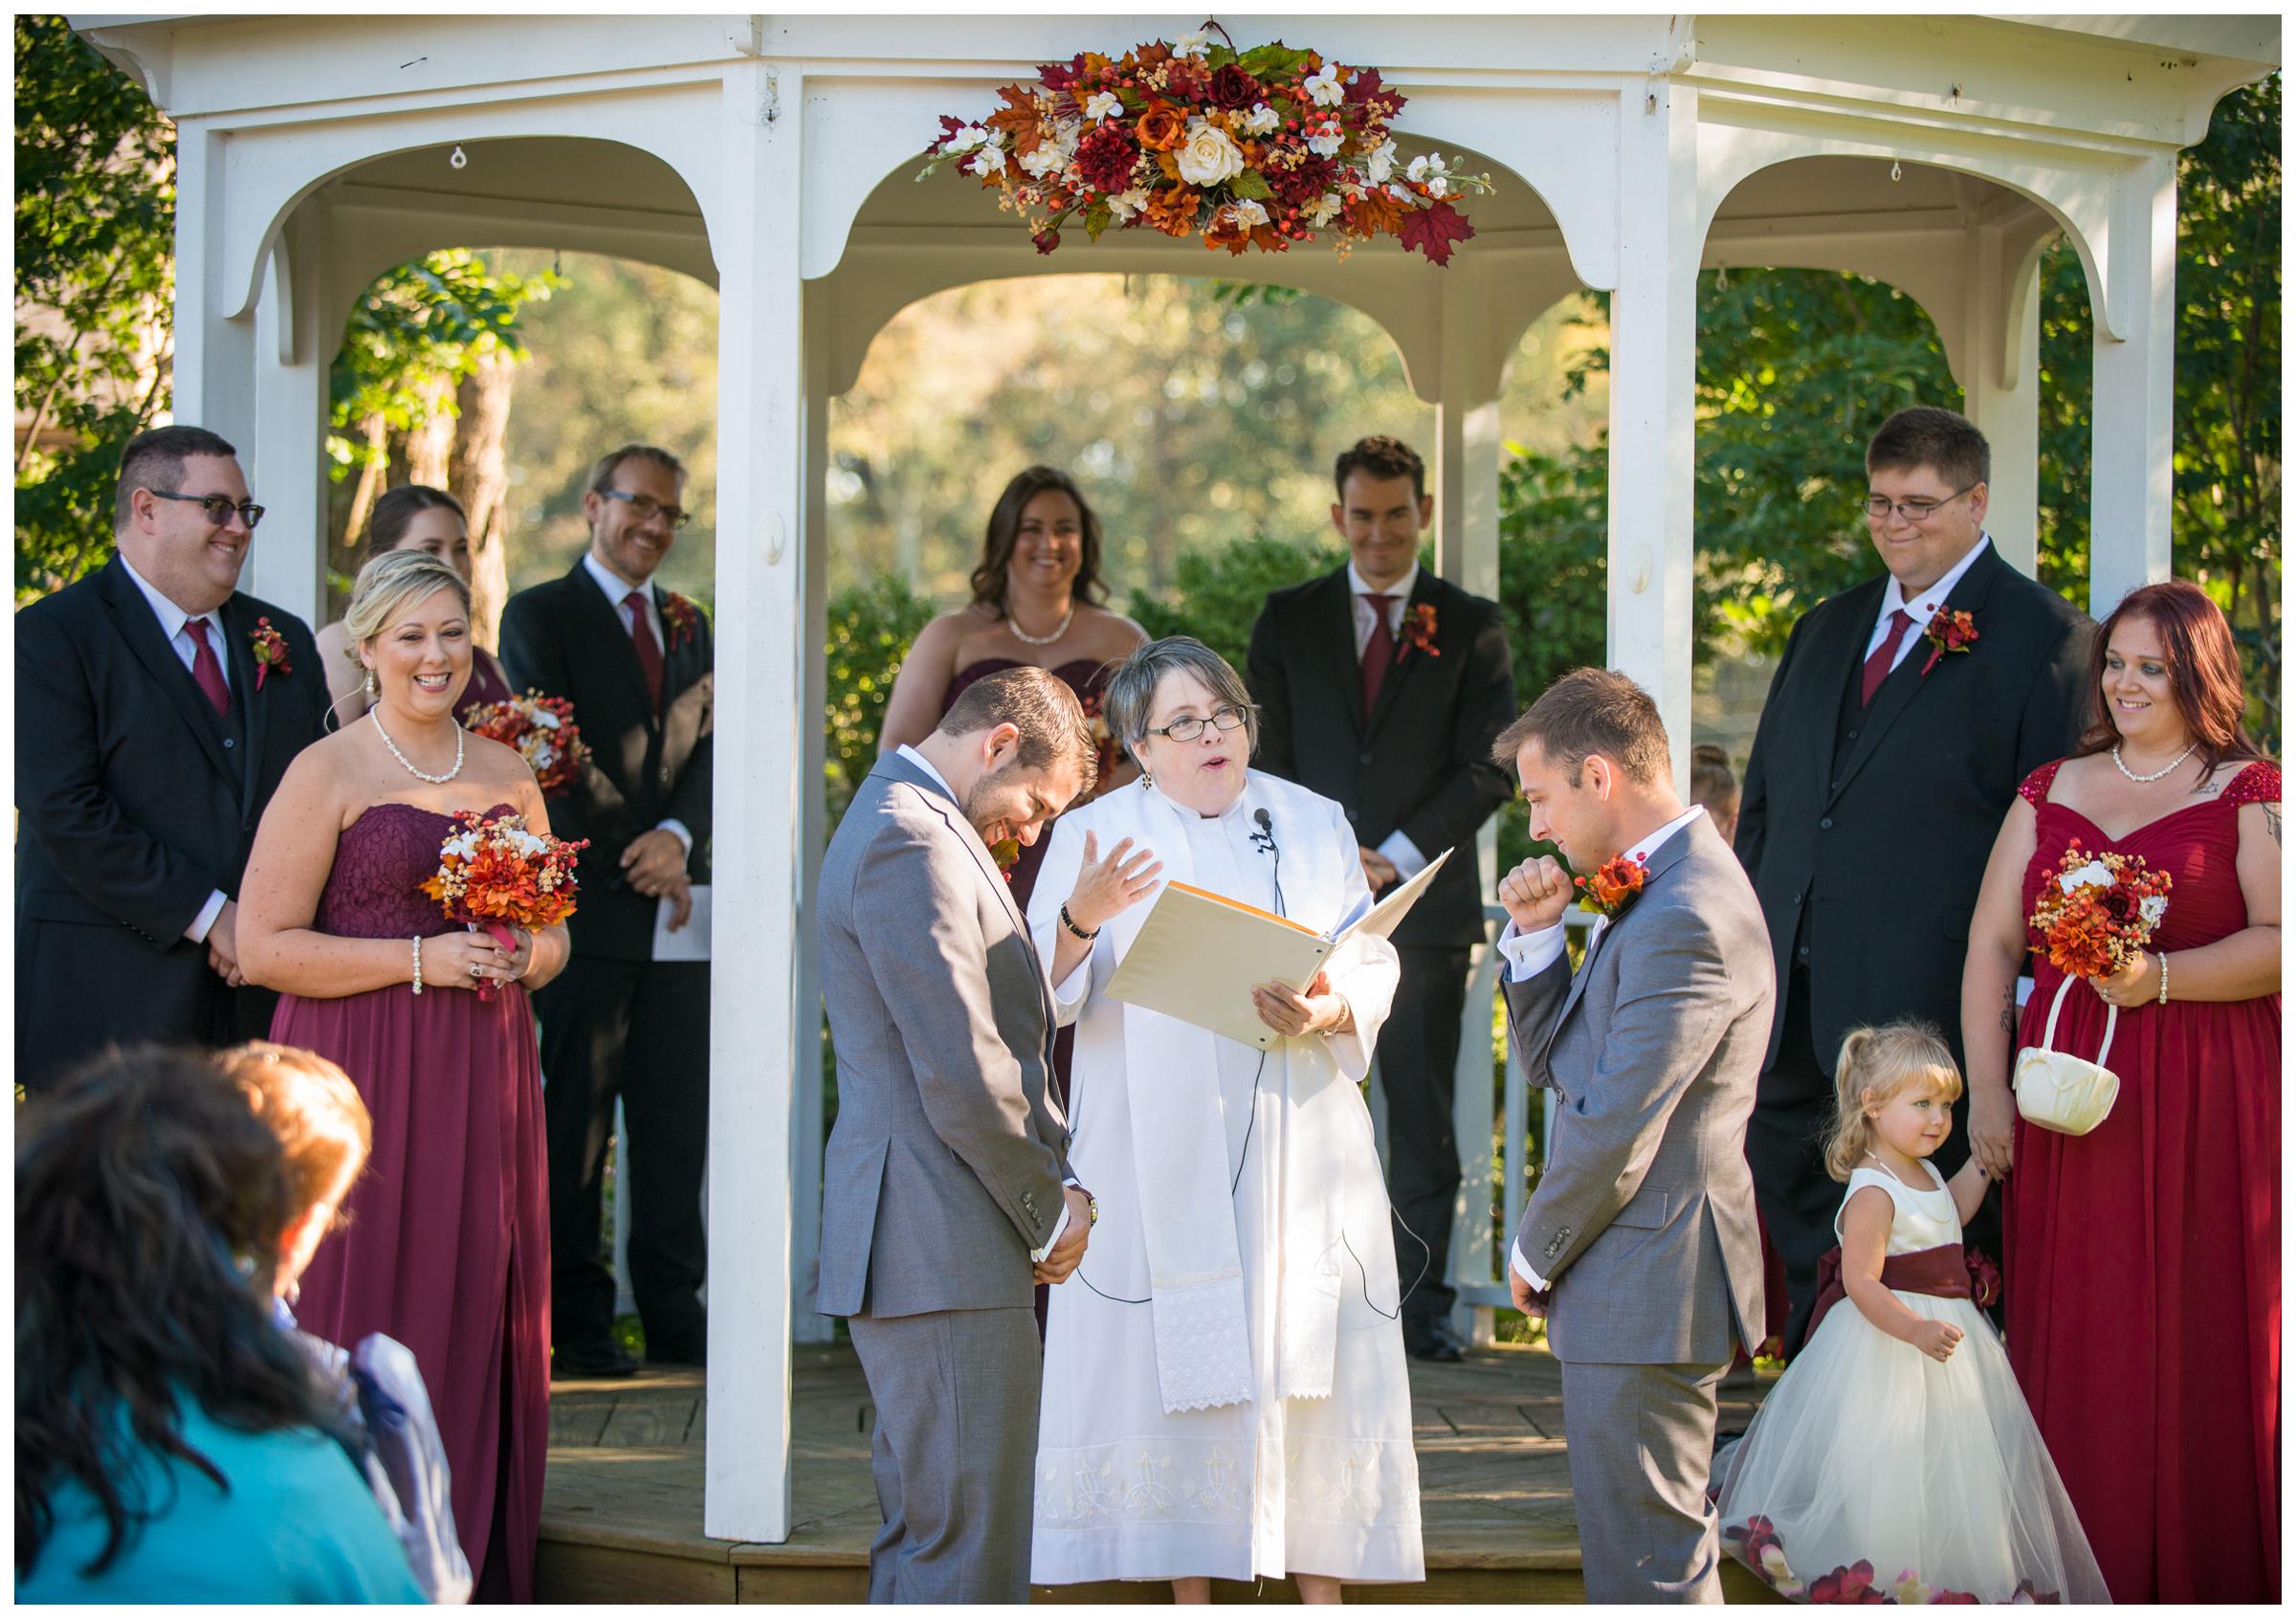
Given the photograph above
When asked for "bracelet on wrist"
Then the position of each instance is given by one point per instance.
(417, 941)
(2164, 978)
(1070, 922)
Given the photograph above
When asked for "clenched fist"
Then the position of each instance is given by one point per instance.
(1536, 894)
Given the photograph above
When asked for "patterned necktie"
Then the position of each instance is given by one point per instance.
(1884, 658)
(1378, 652)
(650, 650)
(204, 667)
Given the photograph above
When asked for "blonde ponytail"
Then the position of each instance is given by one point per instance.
(1883, 1059)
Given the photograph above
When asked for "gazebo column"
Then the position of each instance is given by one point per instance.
(2134, 406)
(807, 1325)
(1653, 373)
(755, 236)
(285, 455)
(2002, 394)
(215, 355)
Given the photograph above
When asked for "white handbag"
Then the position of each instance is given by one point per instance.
(2059, 1091)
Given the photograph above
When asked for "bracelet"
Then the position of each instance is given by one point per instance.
(2164, 978)
(417, 941)
(1070, 922)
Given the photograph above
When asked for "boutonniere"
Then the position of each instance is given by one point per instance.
(271, 651)
(1005, 851)
(1948, 632)
(1418, 631)
(1612, 888)
(680, 618)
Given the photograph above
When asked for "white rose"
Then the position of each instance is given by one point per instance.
(1045, 160)
(1249, 214)
(1208, 157)
(1381, 163)
(1103, 104)
(989, 160)
(1323, 89)
(2094, 874)
(1261, 119)
(966, 139)
(2152, 908)
(1196, 44)
(1127, 205)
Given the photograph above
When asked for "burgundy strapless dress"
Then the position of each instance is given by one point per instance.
(447, 1245)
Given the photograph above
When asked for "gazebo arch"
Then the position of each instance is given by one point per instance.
(1635, 131)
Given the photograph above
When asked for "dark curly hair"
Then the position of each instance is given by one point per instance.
(1005, 531)
(150, 1201)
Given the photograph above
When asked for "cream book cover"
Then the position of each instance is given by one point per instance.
(1198, 954)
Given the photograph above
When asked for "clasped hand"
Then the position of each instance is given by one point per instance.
(2133, 985)
(656, 865)
(1294, 1012)
(1058, 1266)
(463, 960)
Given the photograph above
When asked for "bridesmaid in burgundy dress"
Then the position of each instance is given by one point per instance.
(1036, 601)
(2143, 1264)
(413, 516)
(446, 1248)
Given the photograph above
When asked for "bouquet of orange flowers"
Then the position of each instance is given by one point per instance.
(2098, 911)
(492, 873)
(542, 729)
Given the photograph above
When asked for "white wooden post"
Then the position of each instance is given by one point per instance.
(1654, 350)
(2003, 396)
(284, 457)
(807, 1323)
(754, 1048)
(2135, 400)
(214, 356)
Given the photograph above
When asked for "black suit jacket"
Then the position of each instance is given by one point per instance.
(1420, 763)
(1866, 832)
(134, 806)
(565, 639)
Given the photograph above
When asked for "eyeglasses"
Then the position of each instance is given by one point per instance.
(646, 508)
(1191, 727)
(1878, 506)
(218, 507)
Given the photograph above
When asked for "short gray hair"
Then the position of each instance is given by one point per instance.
(1129, 698)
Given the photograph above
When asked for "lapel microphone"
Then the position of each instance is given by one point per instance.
(1263, 840)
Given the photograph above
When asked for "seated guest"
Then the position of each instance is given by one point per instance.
(413, 516)
(1036, 602)
(2143, 1274)
(1714, 784)
(172, 1443)
(325, 1130)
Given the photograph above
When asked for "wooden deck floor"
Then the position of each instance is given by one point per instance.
(622, 1510)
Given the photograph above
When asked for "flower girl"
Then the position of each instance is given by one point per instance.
(1895, 1458)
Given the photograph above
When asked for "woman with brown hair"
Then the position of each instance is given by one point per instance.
(2143, 1263)
(413, 516)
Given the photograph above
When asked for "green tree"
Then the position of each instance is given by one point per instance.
(95, 293)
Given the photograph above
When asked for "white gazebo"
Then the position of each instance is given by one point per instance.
(773, 156)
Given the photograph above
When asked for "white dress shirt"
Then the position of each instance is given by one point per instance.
(1399, 851)
(179, 627)
(617, 592)
(1922, 608)
(1061, 1224)
(1528, 955)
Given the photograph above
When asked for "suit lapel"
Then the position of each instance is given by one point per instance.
(1335, 619)
(238, 631)
(132, 617)
(605, 619)
(1907, 681)
(1407, 657)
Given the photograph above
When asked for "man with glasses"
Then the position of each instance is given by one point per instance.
(1893, 739)
(157, 708)
(630, 1017)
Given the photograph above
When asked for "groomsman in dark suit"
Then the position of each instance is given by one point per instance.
(635, 662)
(1888, 750)
(155, 710)
(1382, 686)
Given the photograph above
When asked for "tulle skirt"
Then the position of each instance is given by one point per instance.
(1872, 1467)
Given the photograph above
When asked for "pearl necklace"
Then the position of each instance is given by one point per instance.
(2155, 775)
(1066, 619)
(375, 715)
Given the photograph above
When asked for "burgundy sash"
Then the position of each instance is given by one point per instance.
(1943, 1272)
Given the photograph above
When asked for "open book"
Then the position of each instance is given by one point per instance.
(1198, 954)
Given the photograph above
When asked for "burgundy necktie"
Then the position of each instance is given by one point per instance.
(1378, 652)
(1884, 658)
(205, 669)
(650, 650)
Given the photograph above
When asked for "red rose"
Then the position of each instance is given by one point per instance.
(1047, 239)
(1160, 127)
(1233, 88)
(1106, 157)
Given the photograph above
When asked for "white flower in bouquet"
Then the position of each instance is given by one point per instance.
(1402, 192)
(1045, 160)
(1123, 205)
(1324, 88)
(463, 845)
(544, 718)
(966, 139)
(1326, 140)
(1104, 103)
(1249, 214)
(2151, 909)
(1208, 157)
(988, 159)
(1326, 209)
(1261, 119)
(1380, 164)
(1196, 44)
(2095, 874)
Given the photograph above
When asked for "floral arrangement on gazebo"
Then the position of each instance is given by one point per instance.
(1257, 148)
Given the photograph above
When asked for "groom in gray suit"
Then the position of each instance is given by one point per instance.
(946, 1193)
(1639, 1244)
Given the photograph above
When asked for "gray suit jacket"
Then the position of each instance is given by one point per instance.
(944, 1171)
(1642, 1222)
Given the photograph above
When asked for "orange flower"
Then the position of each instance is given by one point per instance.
(1161, 128)
(1612, 887)
(1173, 209)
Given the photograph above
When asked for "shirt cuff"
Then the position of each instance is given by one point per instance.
(1403, 855)
(677, 830)
(1529, 954)
(1514, 1257)
(197, 931)
(1036, 1255)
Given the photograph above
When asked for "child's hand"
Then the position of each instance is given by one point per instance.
(1937, 1339)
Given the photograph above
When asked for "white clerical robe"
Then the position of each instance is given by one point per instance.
(1224, 1388)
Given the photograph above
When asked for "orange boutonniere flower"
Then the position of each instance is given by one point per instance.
(271, 651)
(1948, 632)
(680, 618)
(1612, 888)
(1419, 633)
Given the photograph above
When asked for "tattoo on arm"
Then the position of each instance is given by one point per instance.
(2273, 822)
(2009, 1009)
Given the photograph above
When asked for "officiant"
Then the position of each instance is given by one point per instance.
(1225, 1393)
